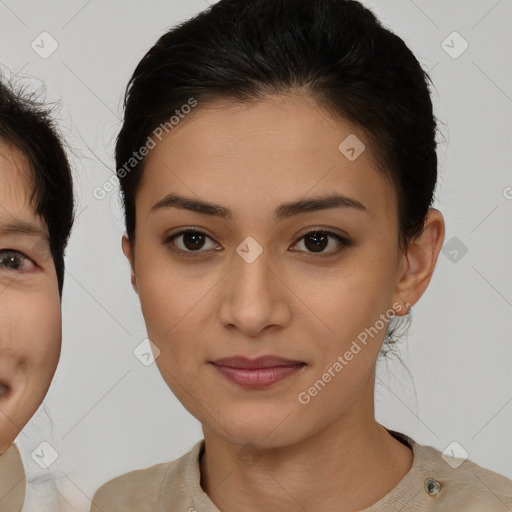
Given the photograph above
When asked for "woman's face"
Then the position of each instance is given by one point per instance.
(250, 282)
(30, 321)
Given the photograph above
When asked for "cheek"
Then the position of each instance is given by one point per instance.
(351, 296)
(40, 336)
(164, 299)
(174, 324)
(169, 292)
(30, 340)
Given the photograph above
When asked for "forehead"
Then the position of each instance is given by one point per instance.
(16, 184)
(14, 163)
(264, 150)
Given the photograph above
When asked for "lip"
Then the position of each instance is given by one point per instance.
(260, 372)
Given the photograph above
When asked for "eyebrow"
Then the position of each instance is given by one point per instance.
(22, 228)
(282, 212)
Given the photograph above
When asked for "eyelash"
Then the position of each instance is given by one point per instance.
(19, 254)
(344, 242)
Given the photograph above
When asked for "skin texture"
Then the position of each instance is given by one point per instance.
(328, 454)
(30, 319)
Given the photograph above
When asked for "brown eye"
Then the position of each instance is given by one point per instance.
(193, 241)
(315, 242)
(190, 241)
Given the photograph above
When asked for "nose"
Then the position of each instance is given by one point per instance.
(255, 299)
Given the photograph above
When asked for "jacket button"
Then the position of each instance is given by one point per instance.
(432, 486)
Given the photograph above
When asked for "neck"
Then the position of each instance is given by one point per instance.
(345, 467)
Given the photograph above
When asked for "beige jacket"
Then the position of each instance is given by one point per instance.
(12, 481)
(432, 484)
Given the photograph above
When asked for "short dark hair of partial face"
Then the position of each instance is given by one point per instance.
(29, 125)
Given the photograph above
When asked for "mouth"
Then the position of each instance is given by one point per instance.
(261, 372)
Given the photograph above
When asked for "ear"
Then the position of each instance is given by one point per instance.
(418, 263)
(128, 252)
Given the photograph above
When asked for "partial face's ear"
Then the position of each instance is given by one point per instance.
(127, 251)
(417, 265)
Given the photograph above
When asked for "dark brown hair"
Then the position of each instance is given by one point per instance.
(29, 125)
(336, 51)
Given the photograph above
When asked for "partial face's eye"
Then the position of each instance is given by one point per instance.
(316, 242)
(14, 261)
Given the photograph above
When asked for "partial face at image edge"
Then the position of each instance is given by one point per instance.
(30, 314)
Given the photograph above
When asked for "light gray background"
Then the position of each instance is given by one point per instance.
(106, 413)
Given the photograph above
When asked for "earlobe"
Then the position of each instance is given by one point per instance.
(128, 252)
(420, 261)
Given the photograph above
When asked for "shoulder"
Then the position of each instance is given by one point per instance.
(137, 490)
(141, 490)
(463, 485)
(12, 480)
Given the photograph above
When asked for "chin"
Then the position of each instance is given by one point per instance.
(261, 440)
(262, 429)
